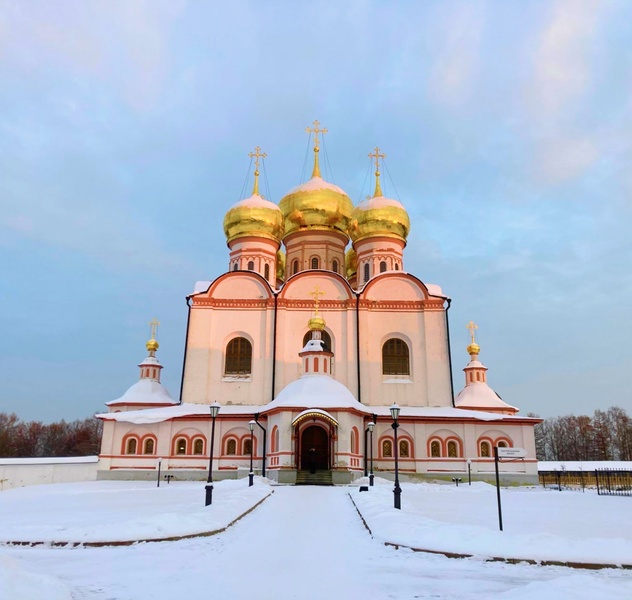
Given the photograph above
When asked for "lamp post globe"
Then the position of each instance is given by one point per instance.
(214, 408)
(251, 475)
(397, 490)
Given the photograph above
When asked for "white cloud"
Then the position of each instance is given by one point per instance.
(565, 158)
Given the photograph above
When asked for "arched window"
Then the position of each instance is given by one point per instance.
(435, 449)
(387, 448)
(397, 266)
(334, 266)
(238, 357)
(325, 337)
(131, 447)
(181, 446)
(382, 266)
(251, 265)
(294, 267)
(366, 272)
(404, 449)
(247, 447)
(149, 446)
(274, 441)
(502, 444)
(316, 364)
(266, 271)
(231, 447)
(315, 262)
(485, 450)
(453, 449)
(198, 446)
(235, 266)
(353, 440)
(395, 357)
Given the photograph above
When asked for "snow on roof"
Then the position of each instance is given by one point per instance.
(480, 395)
(201, 286)
(475, 364)
(150, 360)
(313, 346)
(315, 391)
(47, 460)
(316, 183)
(435, 290)
(256, 201)
(379, 202)
(145, 391)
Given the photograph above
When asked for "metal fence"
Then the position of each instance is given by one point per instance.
(614, 482)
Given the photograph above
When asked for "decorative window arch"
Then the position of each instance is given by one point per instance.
(485, 449)
(366, 272)
(235, 266)
(382, 266)
(247, 447)
(131, 446)
(231, 446)
(198, 446)
(395, 357)
(181, 446)
(238, 357)
(325, 337)
(266, 271)
(334, 266)
(274, 439)
(314, 262)
(435, 449)
(294, 267)
(404, 449)
(251, 265)
(397, 266)
(502, 444)
(149, 445)
(355, 440)
(387, 449)
(453, 449)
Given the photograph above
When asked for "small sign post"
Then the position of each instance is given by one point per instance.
(509, 454)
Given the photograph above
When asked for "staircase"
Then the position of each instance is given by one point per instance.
(319, 478)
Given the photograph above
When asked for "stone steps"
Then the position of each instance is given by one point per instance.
(318, 478)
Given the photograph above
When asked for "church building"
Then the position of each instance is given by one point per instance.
(300, 349)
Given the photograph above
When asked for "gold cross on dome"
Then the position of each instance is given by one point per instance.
(154, 327)
(377, 155)
(257, 154)
(316, 130)
(472, 327)
(316, 295)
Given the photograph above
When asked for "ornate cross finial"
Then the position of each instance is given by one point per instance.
(316, 130)
(257, 154)
(472, 327)
(376, 155)
(154, 327)
(316, 295)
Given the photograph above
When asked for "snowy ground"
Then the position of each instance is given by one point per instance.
(302, 542)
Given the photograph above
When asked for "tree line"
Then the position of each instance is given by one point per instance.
(34, 439)
(607, 435)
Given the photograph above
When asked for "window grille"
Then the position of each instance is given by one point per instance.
(395, 357)
(132, 444)
(387, 448)
(238, 357)
(435, 449)
(149, 446)
(198, 446)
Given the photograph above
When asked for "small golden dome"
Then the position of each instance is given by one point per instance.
(152, 345)
(316, 204)
(351, 262)
(316, 323)
(379, 217)
(473, 348)
(254, 217)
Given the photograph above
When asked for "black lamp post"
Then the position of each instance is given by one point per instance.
(469, 471)
(371, 427)
(251, 475)
(397, 491)
(265, 435)
(209, 482)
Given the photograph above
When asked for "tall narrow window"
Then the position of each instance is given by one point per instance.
(235, 266)
(132, 444)
(315, 262)
(295, 267)
(334, 266)
(149, 446)
(502, 444)
(325, 336)
(435, 449)
(485, 449)
(366, 272)
(404, 449)
(238, 357)
(397, 266)
(251, 265)
(453, 449)
(247, 448)
(198, 446)
(395, 357)
(382, 266)
(387, 448)
(231, 447)
(181, 446)
(266, 271)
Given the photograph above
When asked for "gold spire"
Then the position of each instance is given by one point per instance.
(256, 154)
(316, 322)
(316, 130)
(376, 155)
(473, 348)
(152, 345)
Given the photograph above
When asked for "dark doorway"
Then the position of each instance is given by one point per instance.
(314, 449)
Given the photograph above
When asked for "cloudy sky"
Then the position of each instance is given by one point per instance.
(124, 133)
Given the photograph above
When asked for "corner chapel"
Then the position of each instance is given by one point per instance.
(315, 329)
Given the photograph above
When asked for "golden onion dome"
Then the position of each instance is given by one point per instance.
(316, 204)
(152, 345)
(254, 217)
(351, 263)
(379, 217)
(316, 323)
(473, 348)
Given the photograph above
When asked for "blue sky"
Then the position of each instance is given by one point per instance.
(124, 134)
